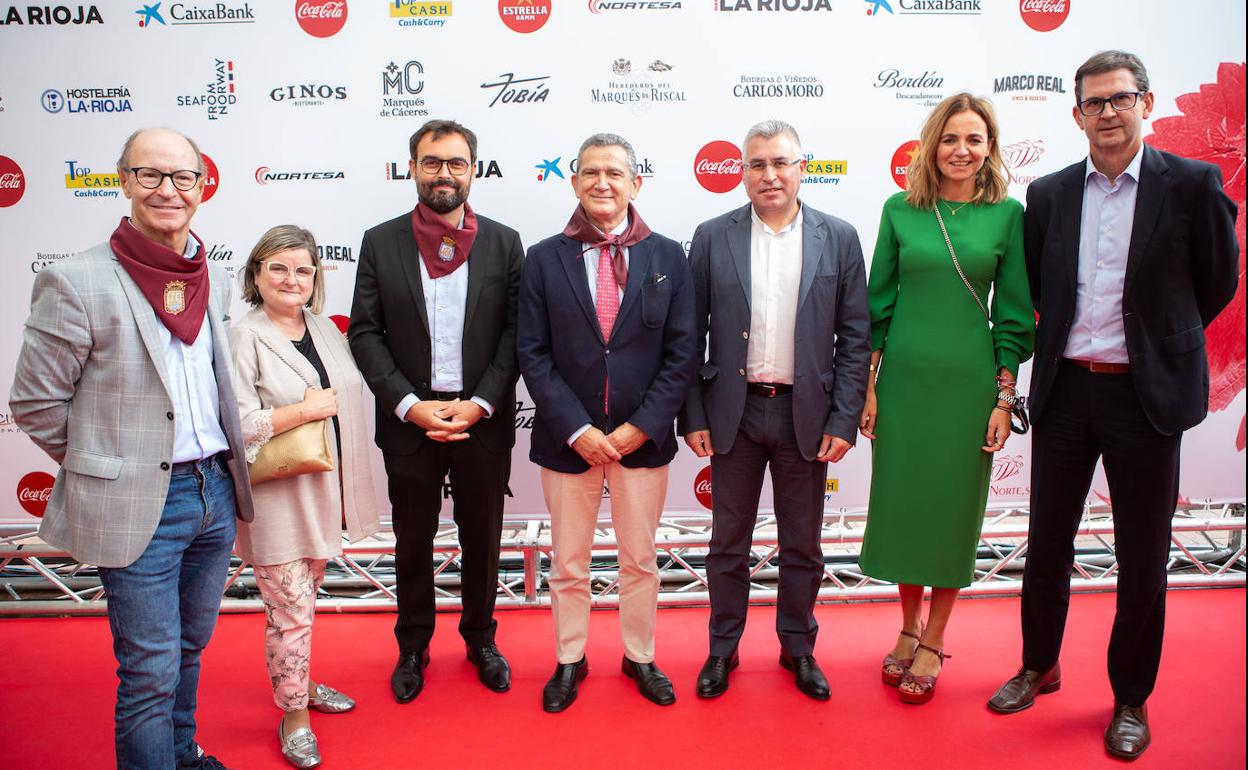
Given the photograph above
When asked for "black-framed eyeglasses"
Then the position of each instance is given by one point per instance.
(1123, 100)
(432, 165)
(152, 178)
(777, 164)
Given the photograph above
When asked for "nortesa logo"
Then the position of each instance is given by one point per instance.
(33, 492)
(524, 16)
(718, 166)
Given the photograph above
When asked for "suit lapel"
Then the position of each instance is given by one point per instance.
(476, 277)
(147, 322)
(409, 262)
(640, 255)
(1151, 193)
(739, 246)
(1071, 219)
(813, 236)
(573, 262)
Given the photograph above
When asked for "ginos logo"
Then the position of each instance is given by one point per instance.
(321, 18)
(702, 487)
(33, 492)
(901, 161)
(342, 322)
(718, 166)
(1044, 15)
(12, 182)
(524, 16)
(210, 179)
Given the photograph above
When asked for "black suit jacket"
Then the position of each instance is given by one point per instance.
(389, 332)
(1182, 269)
(566, 362)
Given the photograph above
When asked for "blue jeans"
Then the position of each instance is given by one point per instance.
(162, 610)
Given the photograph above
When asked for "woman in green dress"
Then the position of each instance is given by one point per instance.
(944, 361)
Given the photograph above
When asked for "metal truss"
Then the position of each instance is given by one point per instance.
(1207, 550)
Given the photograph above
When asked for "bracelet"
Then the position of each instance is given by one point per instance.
(1007, 410)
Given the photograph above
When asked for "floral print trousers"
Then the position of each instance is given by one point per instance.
(289, 594)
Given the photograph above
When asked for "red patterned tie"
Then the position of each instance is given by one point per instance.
(608, 302)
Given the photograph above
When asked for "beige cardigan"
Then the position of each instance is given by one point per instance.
(301, 517)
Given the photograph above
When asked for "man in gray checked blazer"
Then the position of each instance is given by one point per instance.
(123, 379)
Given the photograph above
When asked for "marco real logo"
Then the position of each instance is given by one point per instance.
(321, 18)
(1031, 87)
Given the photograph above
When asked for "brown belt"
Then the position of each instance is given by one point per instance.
(768, 389)
(1097, 367)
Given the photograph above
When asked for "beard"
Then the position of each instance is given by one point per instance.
(442, 201)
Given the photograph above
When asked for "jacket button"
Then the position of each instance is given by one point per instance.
(741, 372)
(169, 415)
(164, 466)
(745, 335)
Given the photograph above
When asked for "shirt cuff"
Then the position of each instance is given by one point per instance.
(408, 401)
(481, 402)
(578, 433)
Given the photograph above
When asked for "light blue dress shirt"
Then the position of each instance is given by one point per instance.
(1097, 332)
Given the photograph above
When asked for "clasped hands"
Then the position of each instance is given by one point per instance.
(598, 448)
(445, 420)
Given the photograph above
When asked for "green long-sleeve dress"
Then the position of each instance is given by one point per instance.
(936, 386)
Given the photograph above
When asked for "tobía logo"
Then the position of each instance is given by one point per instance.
(514, 90)
(702, 487)
(12, 182)
(321, 18)
(524, 16)
(33, 492)
(718, 166)
(901, 161)
(1044, 15)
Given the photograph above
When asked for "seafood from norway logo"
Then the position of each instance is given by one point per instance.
(418, 13)
(1020, 154)
(1044, 15)
(901, 161)
(54, 14)
(12, 182)
(718, 166)
(702, 487)
(1005, 467)
(321, 18)
(33, 492)
(524, 16)
(218, 95)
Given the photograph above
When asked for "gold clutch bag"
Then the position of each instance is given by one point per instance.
(303, 449)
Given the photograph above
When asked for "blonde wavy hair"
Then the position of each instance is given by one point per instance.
(992, 183)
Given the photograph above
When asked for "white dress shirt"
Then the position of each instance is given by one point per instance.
(775, 279)
(1097, 332)
(446, 298)
(590, 255)
(197, 431)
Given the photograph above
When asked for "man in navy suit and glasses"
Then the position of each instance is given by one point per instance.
(605, 342)
(1131, 253)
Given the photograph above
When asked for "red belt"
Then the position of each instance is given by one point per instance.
(1098, 367)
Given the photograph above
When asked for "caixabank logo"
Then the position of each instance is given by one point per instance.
(78, 100)
(419, 13)
(524, 16)
(86, 182)
(217, 96)
(321, 18)
(550, 168)
(43, 15)
(12, 182)
(773, 5)
(194, 14)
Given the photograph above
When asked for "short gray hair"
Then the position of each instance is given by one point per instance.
(123, 161)
(1108, 61)
(769, 129)
(606, 139)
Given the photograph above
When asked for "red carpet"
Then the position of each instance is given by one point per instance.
(57, 686)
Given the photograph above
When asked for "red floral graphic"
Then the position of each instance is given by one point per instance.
(1211, 129)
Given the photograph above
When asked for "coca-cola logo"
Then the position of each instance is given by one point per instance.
(1006, 466)
(718, 166)
(702, 487)
(342, 322)
(33, 492)
(901, 161)
(211, 179)
(12, 182)
(1044, 15)
(524, 16)
(1022, 153)
(321, 18)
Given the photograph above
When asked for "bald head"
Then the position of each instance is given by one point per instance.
(162, 136)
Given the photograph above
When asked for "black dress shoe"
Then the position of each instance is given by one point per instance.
(1127, 735)
(713, 678)
(492, 668)
(810, 679)
(1020, 691)
(408, 678)
(651, 682)
(560, 691)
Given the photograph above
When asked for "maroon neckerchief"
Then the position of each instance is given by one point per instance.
(442, 247)
(581, 229)
(176, 287)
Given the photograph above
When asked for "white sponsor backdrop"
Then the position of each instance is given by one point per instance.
(856, 78)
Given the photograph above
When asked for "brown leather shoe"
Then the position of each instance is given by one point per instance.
(1127, 735)
(1021, 690)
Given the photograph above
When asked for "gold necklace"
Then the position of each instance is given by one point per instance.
(954, 212)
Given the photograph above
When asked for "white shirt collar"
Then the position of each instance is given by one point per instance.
(1132, 170)
(790, 227)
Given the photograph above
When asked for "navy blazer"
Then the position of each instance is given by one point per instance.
(565, 361)
(1182, 269)
(832, 334)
